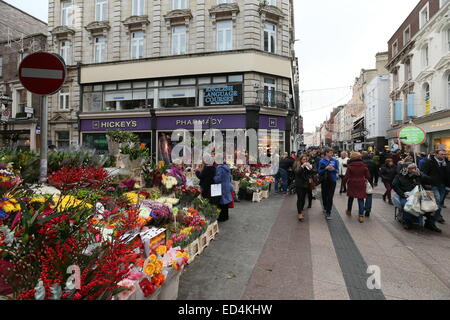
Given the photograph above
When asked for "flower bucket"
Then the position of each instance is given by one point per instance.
(131, 164)
(113, 147)
(265, 194)
(169, 291)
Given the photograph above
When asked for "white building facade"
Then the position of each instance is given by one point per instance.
(431, 75)
(377, 119)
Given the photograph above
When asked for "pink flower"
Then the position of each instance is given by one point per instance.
(130, 286)
(133, 275)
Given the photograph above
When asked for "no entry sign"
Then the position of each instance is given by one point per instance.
(42, 73)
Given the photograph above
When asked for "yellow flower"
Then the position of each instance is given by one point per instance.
(38, 200)
(133, 198)
(152, 258)
(9, 207)
(158, 266)
(161, 250)
(70, 202)
(149, 269)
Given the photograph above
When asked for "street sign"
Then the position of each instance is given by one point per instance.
(412, 135)
(42, 73)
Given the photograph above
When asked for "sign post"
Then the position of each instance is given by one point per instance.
(43, 74)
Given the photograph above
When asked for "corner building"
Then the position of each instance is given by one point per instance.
(152, 67)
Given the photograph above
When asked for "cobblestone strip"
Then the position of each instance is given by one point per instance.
(354, 268)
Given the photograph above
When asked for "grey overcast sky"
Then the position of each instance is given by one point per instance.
(336, 39)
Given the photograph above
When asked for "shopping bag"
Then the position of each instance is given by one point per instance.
(369, 189)
(216, 190)
(231, 204)
(412, 205)
(428, 202)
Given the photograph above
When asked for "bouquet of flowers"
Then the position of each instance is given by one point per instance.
(153, 174)
(187, 194)
(8, 180)
(79, 177)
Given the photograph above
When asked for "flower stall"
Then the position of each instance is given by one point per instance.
(88, 236)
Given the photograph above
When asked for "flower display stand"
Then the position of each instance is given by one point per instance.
(215, 228)
(169, 291)
(203, 241)
(194, 250)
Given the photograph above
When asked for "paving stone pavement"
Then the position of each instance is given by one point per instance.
(263, 252)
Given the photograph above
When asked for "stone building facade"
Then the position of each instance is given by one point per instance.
(156, 64)
(20, 35)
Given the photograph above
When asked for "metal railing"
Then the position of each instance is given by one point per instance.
(272, 99)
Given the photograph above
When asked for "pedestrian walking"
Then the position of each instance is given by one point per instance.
(343, 164)
(388, 173)
(223, 177)
(371, 166)
(328, 171)
(438, 169)
(303, 178)
(356, 178)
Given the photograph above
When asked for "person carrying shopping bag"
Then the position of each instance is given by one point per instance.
(356, 179)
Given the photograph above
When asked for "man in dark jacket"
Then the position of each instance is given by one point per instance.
(405, 182)
(438, 169)
(373, 170)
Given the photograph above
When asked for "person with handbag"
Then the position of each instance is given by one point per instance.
(357, 180)
(328, 171)
(343, 165)
(223, 177)
(303, 177)
(406, 181)
(388, 173)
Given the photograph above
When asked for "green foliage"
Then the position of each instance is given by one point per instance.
(75, 158)
(119, 136)
(26, 163)
(135, 152)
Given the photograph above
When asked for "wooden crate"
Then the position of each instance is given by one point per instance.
(203, 241)
(194, 250)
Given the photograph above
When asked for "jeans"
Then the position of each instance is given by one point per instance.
(283, 174)
(364, 205)
(439, 194)
(388, 193)
(328, 190)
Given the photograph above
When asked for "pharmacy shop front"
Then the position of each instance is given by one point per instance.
(166, 125)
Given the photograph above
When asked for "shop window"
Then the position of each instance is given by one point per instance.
(188, 82)
(63, 139)
(220, 80)
(265, 143)
(110, 87)
(177, 97)
(124, 85)
(125, 100)
(139, 85)
(237, 78)
(96, 141)
(204, 80)
(171, 82)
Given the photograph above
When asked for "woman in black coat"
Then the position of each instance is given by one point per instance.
(388, 173)
(206, 177)
(303, 173)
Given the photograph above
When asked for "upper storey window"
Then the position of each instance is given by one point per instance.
(67, 13)
(179, 4)
(138, 7)
(101, 10)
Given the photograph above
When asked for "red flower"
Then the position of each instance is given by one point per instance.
(147, 287)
